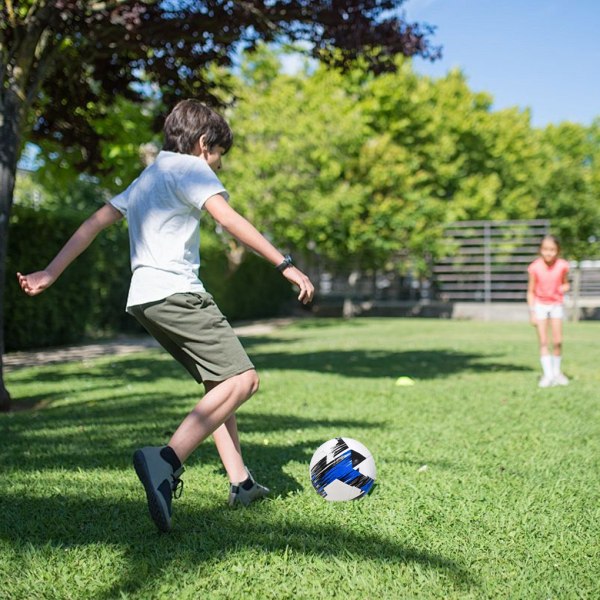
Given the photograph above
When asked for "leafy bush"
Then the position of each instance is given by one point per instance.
(61, 314)
(89, 298)
(254, 290)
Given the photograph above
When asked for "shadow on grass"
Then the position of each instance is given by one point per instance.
(199, 536)
(104, 433)
(420, 364)
(99, 417)
(97, 432)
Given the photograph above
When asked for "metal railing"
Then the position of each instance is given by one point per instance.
(487, 260)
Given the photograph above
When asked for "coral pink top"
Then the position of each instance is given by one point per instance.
(548, 279)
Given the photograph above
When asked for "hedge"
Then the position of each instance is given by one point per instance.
(89, 298)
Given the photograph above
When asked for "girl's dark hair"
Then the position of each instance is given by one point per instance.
(189, 121)
(551, 238)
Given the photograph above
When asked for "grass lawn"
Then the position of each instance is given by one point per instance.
(488, 487)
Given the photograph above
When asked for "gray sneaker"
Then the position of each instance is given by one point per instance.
(247, 493)
(160, 482)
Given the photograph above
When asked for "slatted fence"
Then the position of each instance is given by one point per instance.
(589, 283)
(488, 260)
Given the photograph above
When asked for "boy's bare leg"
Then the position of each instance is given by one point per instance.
(228, 444)
(218, 404)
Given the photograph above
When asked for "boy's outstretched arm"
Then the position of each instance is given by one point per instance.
(246, 233)
(37, 282)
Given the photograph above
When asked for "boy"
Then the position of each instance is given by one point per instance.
(163, 207)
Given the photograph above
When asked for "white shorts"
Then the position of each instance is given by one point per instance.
(548, 311)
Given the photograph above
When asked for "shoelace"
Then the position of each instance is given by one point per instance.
(177, 486)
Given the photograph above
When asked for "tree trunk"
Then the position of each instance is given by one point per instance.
(10, 119)
(27, 67)
(350, 308)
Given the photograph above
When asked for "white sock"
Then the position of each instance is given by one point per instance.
(546, 361)
(556, 365)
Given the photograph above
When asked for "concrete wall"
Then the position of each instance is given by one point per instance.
(496, 311)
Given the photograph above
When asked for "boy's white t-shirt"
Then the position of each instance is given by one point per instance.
(162, 207)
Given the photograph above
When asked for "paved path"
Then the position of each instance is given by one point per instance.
(121, 345)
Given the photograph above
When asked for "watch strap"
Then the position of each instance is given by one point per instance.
(287, 262)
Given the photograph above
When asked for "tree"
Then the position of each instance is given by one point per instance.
(366, 170)
(571, 186)
(296, 137)
(439, 149)
(64, 62)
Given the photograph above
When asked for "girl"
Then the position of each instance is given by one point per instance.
(547, 285)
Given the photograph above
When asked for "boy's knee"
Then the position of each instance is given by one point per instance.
(251, 382)
(255, 383)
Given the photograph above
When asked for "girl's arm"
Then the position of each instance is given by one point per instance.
(566, 286)
(531, 298)
(37, 282)
(245, 232)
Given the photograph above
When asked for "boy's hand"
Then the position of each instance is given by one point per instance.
(298, 278)
(533, 319)
(35, 283)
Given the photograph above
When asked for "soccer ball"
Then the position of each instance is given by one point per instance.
(342, 469)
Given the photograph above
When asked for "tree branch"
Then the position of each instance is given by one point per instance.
(29, 50)
(32, 10)
(260, 16)
(11, 13)
(45, 51)
(102, 6)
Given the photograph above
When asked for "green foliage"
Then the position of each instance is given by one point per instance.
(250, 290)
(103, 279)
(62, 314)
(571, 186)
(122, 130)
(288, 172)
(350, 171)
(364, 171)
(70, 192)
(89, 298)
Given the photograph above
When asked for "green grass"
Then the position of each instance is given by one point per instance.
(508, 506)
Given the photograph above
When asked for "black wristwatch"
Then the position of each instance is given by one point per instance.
(287, 262)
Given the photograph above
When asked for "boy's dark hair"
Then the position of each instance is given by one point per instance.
(189, 121)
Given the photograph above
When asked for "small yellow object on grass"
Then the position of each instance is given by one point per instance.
(405, 381)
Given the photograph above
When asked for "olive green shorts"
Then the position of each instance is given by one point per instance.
(195, 332)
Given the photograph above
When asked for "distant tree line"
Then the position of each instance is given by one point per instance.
(356, 170)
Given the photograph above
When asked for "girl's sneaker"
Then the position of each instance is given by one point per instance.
(247, 491)
(546, 382)
(561, 379)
